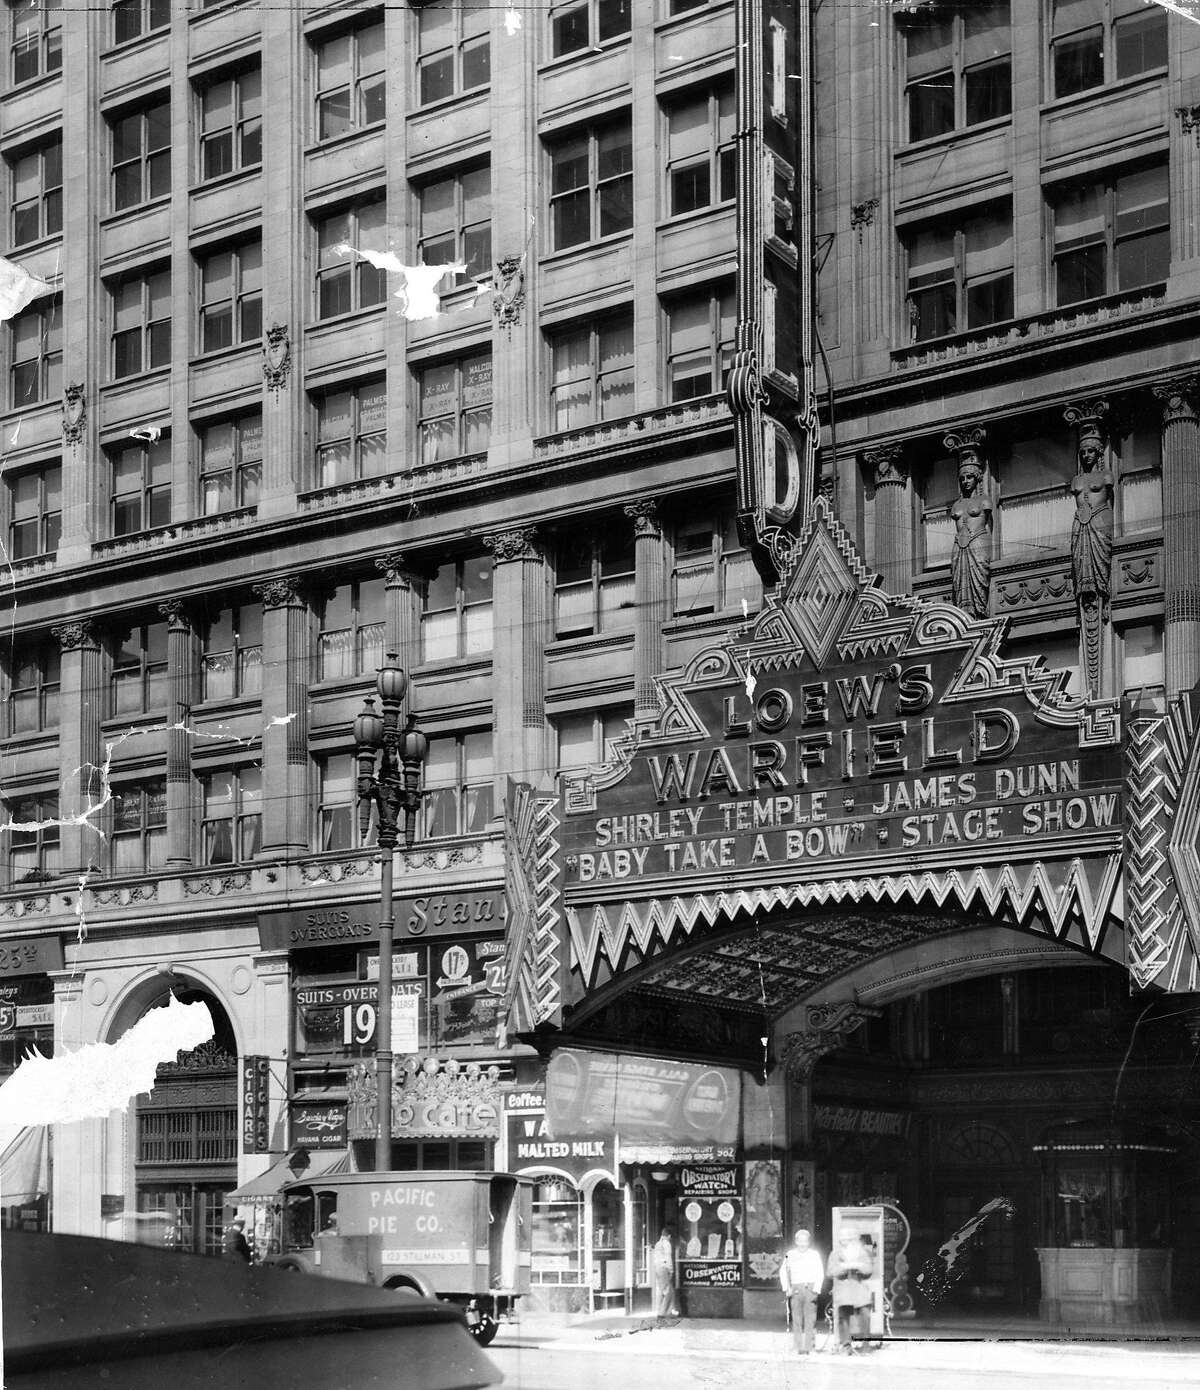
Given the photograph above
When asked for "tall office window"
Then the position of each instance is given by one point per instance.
(231, 282)
(350, 82)
(594, 582)
(351, 434)
(456, 222)
(34, 511)
(346, 282)
(141, 155)
(35, 38)
(141, 486)
(33, 686)
(133, 18)
(35, 348)
(32, 851)
(141, 334)
(592, 372)
(701, 164)
(139, 670)
(232, 652)
(591, 183)
(455, 407)
(231, 463)
(583, 24)
(1098, 41)
(139, 827)
(35, 191)
(1111, 235)
(960, 274)
(231, 124)
(456, 615)
(958, 66)
(713, 569)
(454, 52)
(700, 331)
(458, 785)
(231, 829)
(350, 642)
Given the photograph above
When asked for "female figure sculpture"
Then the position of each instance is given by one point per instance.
(1092, 527)
(971, 558)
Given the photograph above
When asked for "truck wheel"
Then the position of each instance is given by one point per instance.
(484, 1331)
(403, 1284)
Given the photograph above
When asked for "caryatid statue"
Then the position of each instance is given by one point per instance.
(971, 558)
(1092, 527)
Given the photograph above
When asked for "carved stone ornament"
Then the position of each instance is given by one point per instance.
(277, 356)
(863, 215)
(644, 515)
(971, 557)
(72, 636)
(519, 543)
(74, 413)
(397, 568)
(176, 612)
(283, 592)
(1179, 398)
(1189, 121)
(887, 465)
(509, 298)
(828, 1027)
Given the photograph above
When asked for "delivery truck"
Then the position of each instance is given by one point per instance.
(463, 1237)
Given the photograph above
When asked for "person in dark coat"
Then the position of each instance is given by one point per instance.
(234, 1245)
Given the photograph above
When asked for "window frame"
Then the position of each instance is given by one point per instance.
(597, 187)
(460, 41)
(462, 415)
(1111, 240)
(360, 648)
(719, 160)
(240, 818)
(242, 305)
(468, 819)
(430, 250)
(150, 830)
(593, 36)
(147, 24)
(243, 130)
(46, 839)
(959, 229)
(597, 583)
(45, 662)
(327, 811)
(243, 470)
(720, 349)
(150, 494)
(245, 658)
(609, 723)
(149, 161)
(48, 43)
(1115, 14)
(357, 436)
(959, 71)
(462, 610)
(47, 363)
(150, 670)
(726, 553)
(356, 79)
(47, 520)
(48, 200)
(367, 284)
(152, 336)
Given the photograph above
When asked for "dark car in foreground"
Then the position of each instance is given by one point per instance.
(83, 1312)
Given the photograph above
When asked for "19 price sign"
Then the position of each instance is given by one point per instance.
(341, 1018)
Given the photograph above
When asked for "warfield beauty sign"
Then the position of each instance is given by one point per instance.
(845, 730)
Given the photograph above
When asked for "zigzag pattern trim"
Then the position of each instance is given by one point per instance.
(1155, 759)
(1019, 890)
(547, 946)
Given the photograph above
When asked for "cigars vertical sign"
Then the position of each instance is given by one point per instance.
(256, 1125)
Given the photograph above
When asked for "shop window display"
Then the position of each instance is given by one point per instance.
(557, 1232)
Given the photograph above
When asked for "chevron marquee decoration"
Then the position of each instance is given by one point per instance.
(533, 950)
(1161, 843)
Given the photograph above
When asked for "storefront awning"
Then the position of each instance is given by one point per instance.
(25, 1166)
(269, 1184)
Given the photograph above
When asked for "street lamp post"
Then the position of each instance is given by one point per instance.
(389, 768)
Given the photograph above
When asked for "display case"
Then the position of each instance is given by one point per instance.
(608, 1244)
(1105, 1223)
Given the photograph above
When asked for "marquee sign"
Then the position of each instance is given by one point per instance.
(847, 743)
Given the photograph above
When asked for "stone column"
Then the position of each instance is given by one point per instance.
(404, 586)
(181, 686)
(1181, 506)
(892, 554)
(650, 596)
(79, 1149)
(520, 596)
(284, 716)
(81, 771)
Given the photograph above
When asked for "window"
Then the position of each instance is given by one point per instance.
(594, 583)
(232, 653)
(557, 1240)
(139, 670)
(133, 18)
(456, 407)
(444, 1155)
(592, 373)
(141, 486)
(455, 49)
(231, 297)
(456, 222)
(350, 81)
(346, 282)
(1142, 657)
(701, 165)
(36, 38)
(1139, 492)
(231, 830)
(958, 67)
(456, 616)
(231, 463)
(352, 624)
(584, 740)
(938, 491)
(337, 805)
(681, 6)
(35, 339)
(141, 324)
(139, 827)
(713, 570)
(33, 849)
(33, 689)
(351, 434)
(231, 125)
(1081, 59)
(699, 344)
(141, 155)
(591, 184)
(36, 192)
(458, 785)
(1111, 236)
(34, 512)
(1036, 508)
(588, 24)
(959, 275)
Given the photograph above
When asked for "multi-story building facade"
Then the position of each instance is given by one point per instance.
(243, 461)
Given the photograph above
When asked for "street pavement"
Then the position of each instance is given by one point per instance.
(601, 1353)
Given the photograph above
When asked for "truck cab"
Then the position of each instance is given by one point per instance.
(462, 1237)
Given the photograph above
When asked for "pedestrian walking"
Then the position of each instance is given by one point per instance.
(850, 1267)
(801, 1276)
(663, 1260)
(234, 1245)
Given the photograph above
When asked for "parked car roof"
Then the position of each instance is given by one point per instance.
(146, 1317)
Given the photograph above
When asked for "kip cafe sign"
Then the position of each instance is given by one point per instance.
(844, 731)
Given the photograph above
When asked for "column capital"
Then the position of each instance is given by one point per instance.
(73, 636)
(178, 614)
(644, 515)
(283, 592)
(827, 1026)
(398, 568)
(966, 443)
(1087, 417)
(518, 543)
(887, 465)
(1179, 398)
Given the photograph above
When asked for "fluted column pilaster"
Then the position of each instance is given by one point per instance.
(284, 715)
(181, 686)
(649, 595)
(1181, 505)
(80, 747)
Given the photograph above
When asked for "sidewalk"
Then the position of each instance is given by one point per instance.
(1170, 1352)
